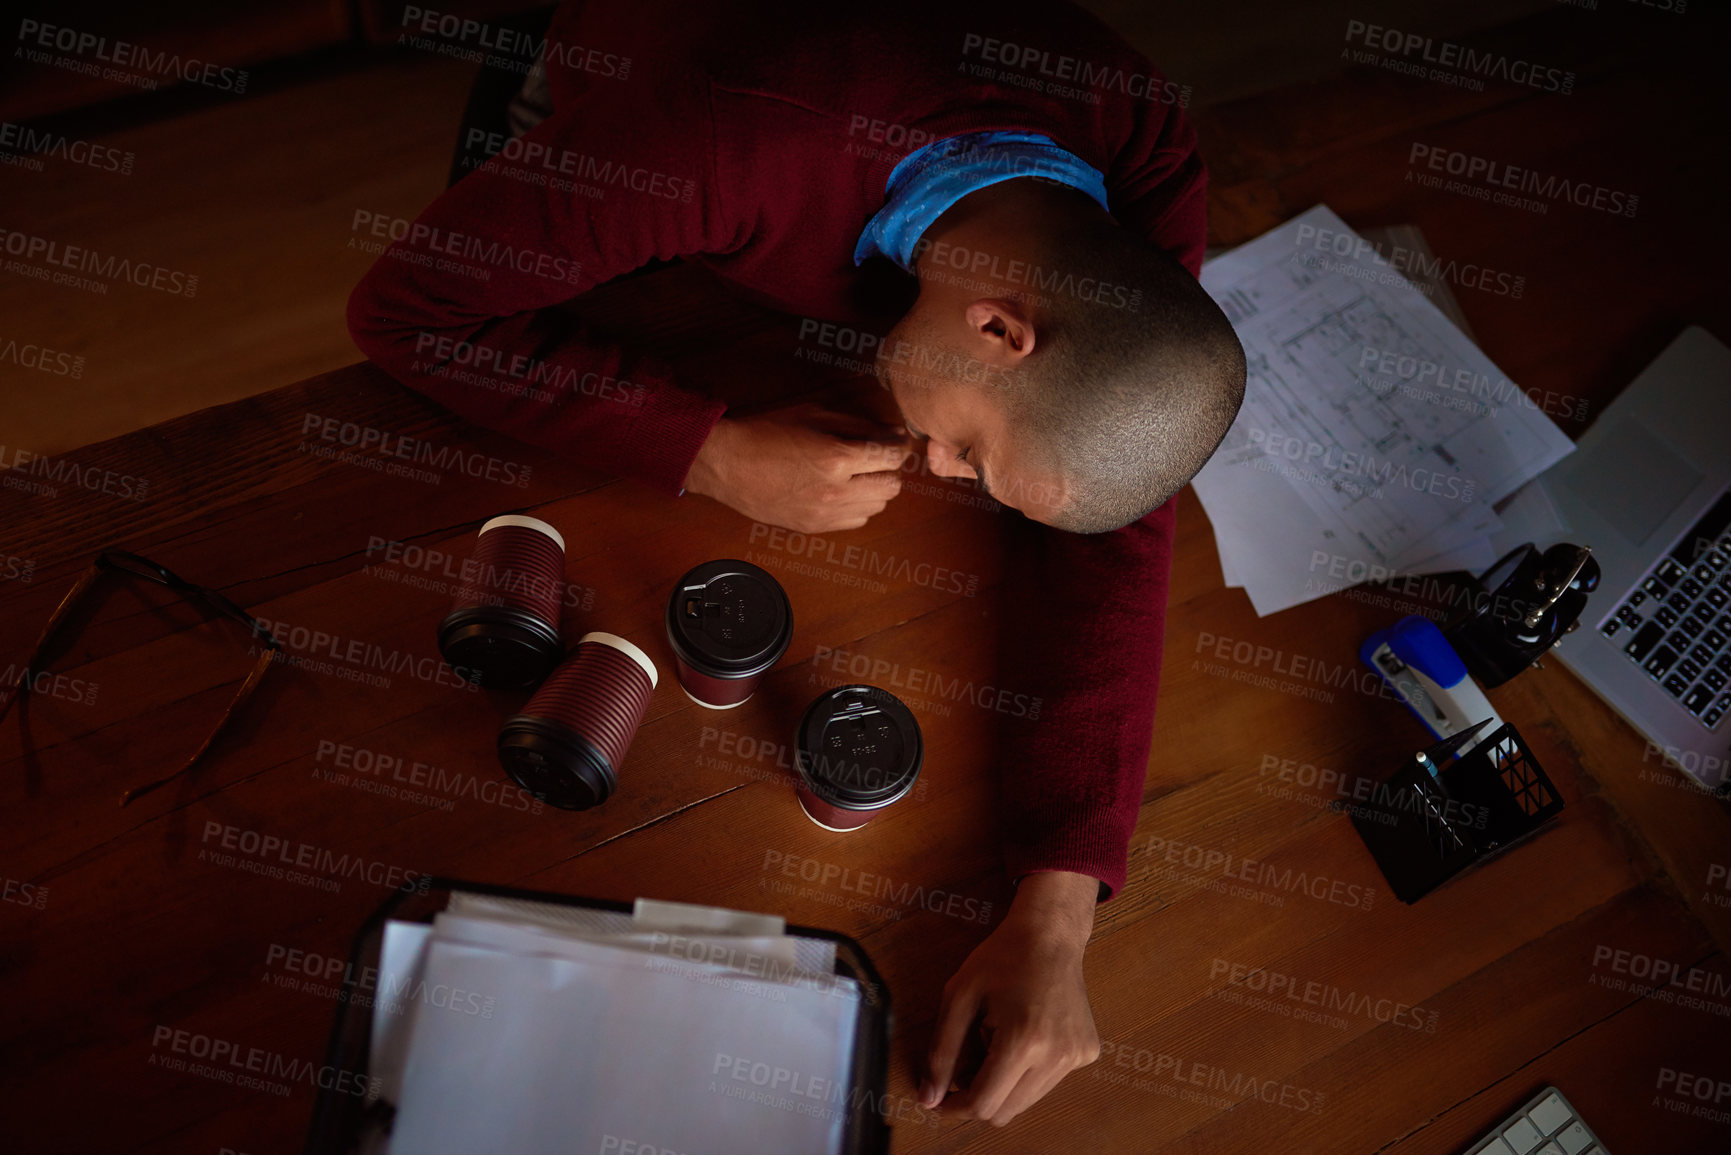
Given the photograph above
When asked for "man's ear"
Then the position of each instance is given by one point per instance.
(1004, 328)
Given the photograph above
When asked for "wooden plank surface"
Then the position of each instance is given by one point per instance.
(1508, 977)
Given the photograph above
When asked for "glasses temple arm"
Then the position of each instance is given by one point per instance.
(265, 657)
(59, 615)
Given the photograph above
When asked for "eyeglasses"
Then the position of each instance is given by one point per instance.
(132, 565)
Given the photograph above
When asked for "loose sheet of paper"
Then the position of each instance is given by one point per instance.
(1374, 437)
(679, 924)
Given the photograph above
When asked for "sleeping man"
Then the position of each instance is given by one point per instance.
(1030, 183)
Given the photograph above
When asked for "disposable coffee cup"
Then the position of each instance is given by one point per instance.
(503, 631)
(728, 622)
(858, 751)
(566, 747)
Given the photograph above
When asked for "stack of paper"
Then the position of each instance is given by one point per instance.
(1375, 437)
(507, 1025)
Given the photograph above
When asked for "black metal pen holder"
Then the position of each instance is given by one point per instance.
(1424, 828)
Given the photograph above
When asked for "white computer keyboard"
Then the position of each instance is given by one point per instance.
(1546, 1125)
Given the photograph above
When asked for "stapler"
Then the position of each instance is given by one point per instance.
(1415, 659)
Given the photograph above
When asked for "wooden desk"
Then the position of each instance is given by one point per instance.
(1427, 1024)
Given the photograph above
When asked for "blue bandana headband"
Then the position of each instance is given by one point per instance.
(931, 179)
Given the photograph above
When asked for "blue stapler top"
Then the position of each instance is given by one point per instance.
(1417, 642)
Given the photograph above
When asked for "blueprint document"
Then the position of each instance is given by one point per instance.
(1375, 437)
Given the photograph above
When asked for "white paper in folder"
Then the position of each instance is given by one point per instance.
(603, 1044)
(528, 1028)
(1375, 436)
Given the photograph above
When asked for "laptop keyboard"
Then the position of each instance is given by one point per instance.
(1548, 1125)
(1676, 623)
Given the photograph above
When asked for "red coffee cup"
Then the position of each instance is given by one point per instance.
(858, 750)
(566, 747)
(728, 622)
(503, 632)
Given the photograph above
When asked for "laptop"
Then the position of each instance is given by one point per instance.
(1649, 489)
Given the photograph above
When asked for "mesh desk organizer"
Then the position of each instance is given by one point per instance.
(346, 1122)
(1445, 811)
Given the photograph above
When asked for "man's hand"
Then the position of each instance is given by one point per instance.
(1024, 986)
(806, 468)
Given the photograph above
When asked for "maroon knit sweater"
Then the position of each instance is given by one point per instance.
(755, 139)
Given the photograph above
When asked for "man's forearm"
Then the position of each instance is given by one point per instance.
(1057, 904)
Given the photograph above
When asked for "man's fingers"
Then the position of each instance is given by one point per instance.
(878, 487)
(1039, 1079)
(955, 1020)
(875, 455)
(836, 517)
(831, 522)
(1004, 1067)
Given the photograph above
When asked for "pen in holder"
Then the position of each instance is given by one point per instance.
(1452, 806)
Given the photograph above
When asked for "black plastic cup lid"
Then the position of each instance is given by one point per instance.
(499, 647)
(859, 748)
(729, 619)
(555, 763)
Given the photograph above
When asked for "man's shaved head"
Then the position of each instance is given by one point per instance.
(1128, 404)
(1086, 389)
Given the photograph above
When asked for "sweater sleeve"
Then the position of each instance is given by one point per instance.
(1071, 781)
(458, 307)
(1071, 785)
